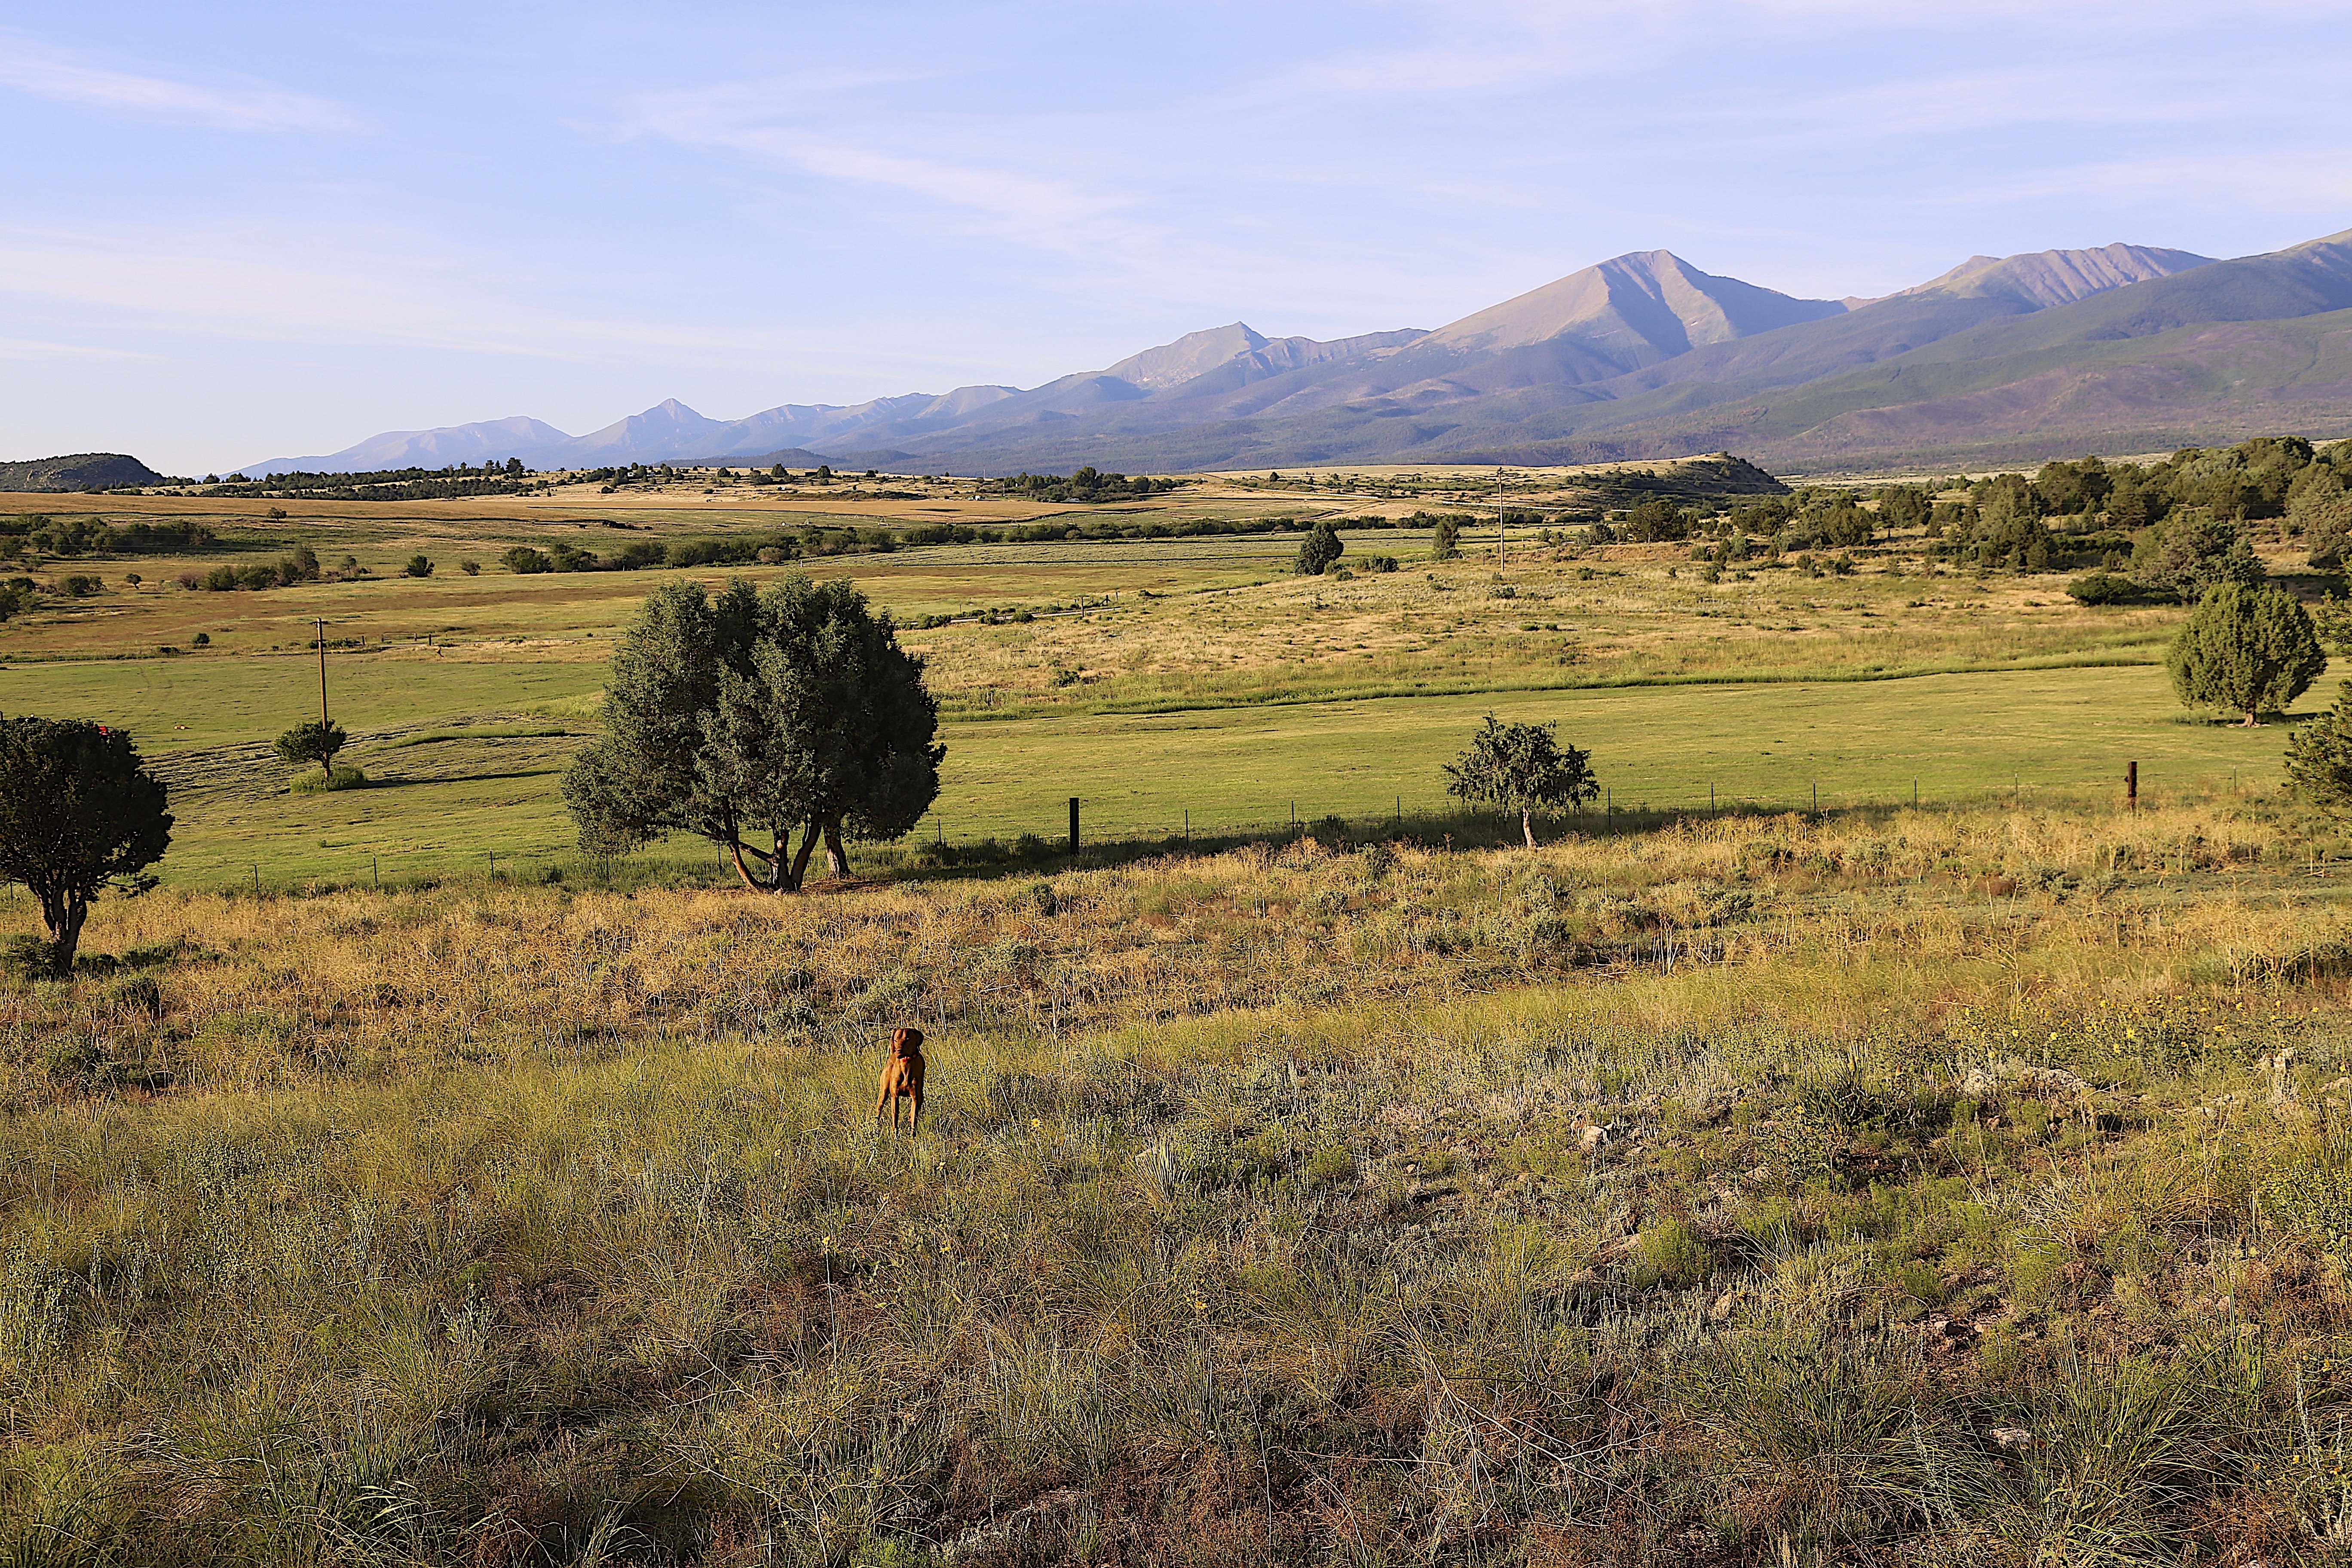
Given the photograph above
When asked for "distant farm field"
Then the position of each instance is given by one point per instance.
(1169, 683)
(449, 803)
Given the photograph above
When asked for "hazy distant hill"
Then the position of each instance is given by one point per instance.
(1644, 356)
(492, 440)
(81, 471)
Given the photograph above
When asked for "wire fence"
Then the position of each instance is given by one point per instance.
(1001, 842)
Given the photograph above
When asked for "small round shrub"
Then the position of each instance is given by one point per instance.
(2102, 588)
(322, 783)
(28, 958)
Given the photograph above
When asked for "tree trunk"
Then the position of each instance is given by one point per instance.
(836, 858)
(750, 879)
(64, 913)
(2251, 720)
(799, 871)
(786, 868)
(1528, 828)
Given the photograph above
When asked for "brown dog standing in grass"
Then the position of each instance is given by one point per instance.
(902, 1076)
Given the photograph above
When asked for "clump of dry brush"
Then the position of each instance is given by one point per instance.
(1966, 1187)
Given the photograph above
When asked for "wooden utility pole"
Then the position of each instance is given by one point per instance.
(2131, 786)
(1502, 549)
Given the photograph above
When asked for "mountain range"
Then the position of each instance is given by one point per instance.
(2124, 348)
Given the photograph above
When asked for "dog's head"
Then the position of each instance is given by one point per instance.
(907, 1042)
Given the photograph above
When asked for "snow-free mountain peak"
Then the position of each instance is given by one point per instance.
(2046, 277)
(1642, 354)
(1194, 353)
(487, 440)
(1635, 309)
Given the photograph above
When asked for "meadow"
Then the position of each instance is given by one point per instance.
(1953, 1166)
(1175, 685)
(1961, 1185)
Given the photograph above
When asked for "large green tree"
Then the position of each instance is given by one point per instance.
(1522, 768)
(2250, 650)
(78, 810)
(756, 716)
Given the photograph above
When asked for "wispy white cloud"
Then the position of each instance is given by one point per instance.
(327, 286)
(234, 105)
(1476, 45)
(2271, 179)
(36, 349)
(763, 120)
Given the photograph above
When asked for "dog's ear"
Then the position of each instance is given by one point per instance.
(914, 1038)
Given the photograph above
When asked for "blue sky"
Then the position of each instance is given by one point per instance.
(233, 231)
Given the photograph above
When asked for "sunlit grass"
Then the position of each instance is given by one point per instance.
(1757, 1172)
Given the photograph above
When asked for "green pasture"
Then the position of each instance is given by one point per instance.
(1958, 737)
(223, 701)
(450, 796)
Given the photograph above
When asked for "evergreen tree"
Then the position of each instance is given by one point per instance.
(78, 810)
(2319, 758)
(2250, 650)
(762, 714)
(2319, 509)
(2192, 550)
(1318, 551)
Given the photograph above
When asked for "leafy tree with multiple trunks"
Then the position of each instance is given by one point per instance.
(1522, 768)
(78, 810)
(760, 714)
(1903, 507)
(2250, 650)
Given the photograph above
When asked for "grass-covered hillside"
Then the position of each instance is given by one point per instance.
(1893, 1187)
